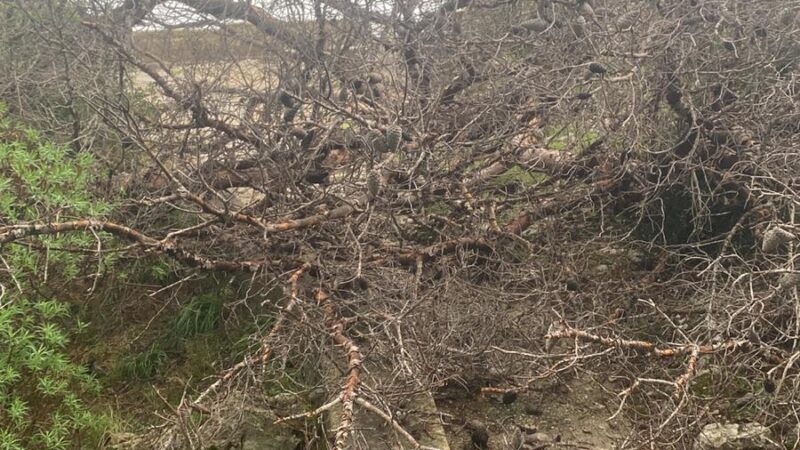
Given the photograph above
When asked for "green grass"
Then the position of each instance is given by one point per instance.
(202, 315)
(144, 365)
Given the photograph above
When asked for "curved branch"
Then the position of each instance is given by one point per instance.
(170, 248)
(136, 11)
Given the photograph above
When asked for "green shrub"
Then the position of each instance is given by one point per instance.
(40, 389)
(40, 182)
(42, 393)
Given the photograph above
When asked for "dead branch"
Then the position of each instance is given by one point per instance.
(650, 347)
(391, 421)
(170, 248)
(312, 413)
(354, 360)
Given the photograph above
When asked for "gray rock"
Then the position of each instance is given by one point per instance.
(516, 441)
(735, 436)
(788, 281)
(636, 257)
(257, 432)
(123, 441)
(536, 25)
(775, 238)
(269, 438)
(538, 439)
(285, 404)
(317, 396)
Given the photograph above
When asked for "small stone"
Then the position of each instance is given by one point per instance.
(532, 410)
(744, 400)
(597, 68)
(788, 281)
(539, 438)
(601, 269)
(573, 285)
(516, 441)
(734, 436)
(774, 238)
(478, 433)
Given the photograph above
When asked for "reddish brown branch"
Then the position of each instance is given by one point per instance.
(293, 224)
(693, 350)
(410, 257)
(266, 344)
(354, 359)
(170, 248)
(691, 368)
(15, 232)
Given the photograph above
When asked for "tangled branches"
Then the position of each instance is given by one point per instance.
(447, 179)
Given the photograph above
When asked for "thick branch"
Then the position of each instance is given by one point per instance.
(354, 359)
(219, 9)
(170, 248)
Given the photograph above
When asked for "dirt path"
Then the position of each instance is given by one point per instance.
(575, 414)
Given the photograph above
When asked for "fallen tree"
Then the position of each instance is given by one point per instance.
(420, 167)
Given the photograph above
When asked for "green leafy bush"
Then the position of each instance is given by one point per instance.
(40, 388)
(42, 392)
(40, 182)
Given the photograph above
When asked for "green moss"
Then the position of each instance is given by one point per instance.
(507, 215)
(517, 174)
(440, 208)
(425, 236)
(569, 137)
